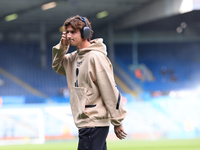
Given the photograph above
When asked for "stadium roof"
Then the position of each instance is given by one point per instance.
(123, 14)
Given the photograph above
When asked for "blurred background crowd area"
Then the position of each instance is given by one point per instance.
(154, 46)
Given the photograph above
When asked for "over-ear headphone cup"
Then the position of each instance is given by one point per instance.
(86, 32)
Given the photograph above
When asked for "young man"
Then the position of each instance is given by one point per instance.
(94, 98)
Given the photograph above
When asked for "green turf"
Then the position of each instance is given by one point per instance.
(189, 144)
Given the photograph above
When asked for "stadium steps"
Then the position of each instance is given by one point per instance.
(131, 85)
(21, 83)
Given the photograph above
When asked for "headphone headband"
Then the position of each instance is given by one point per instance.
(83, 19)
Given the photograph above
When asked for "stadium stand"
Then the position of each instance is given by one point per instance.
(179, 60)
(21, 71)
(174, 66)
(25, 82)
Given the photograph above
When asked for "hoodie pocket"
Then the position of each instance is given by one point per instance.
(77, 102)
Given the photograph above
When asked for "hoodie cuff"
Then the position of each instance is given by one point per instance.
(116, 122)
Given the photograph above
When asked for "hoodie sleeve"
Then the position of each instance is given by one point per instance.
(59, 56)
(109, 92)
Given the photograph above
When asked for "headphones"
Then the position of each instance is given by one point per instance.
(85, 32)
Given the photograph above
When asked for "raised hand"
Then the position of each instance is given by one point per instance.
(64, 40)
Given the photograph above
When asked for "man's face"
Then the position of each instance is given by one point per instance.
(74, 36)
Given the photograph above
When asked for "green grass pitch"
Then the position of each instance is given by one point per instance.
(186, 144)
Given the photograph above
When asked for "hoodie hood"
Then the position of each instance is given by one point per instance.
(96, 45)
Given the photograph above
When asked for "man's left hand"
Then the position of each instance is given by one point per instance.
(119, 131)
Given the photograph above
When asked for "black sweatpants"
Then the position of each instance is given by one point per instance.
(93, 138)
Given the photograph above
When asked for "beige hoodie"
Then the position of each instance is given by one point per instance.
(94, 97)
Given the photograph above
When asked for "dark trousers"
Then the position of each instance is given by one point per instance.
(93, 138)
